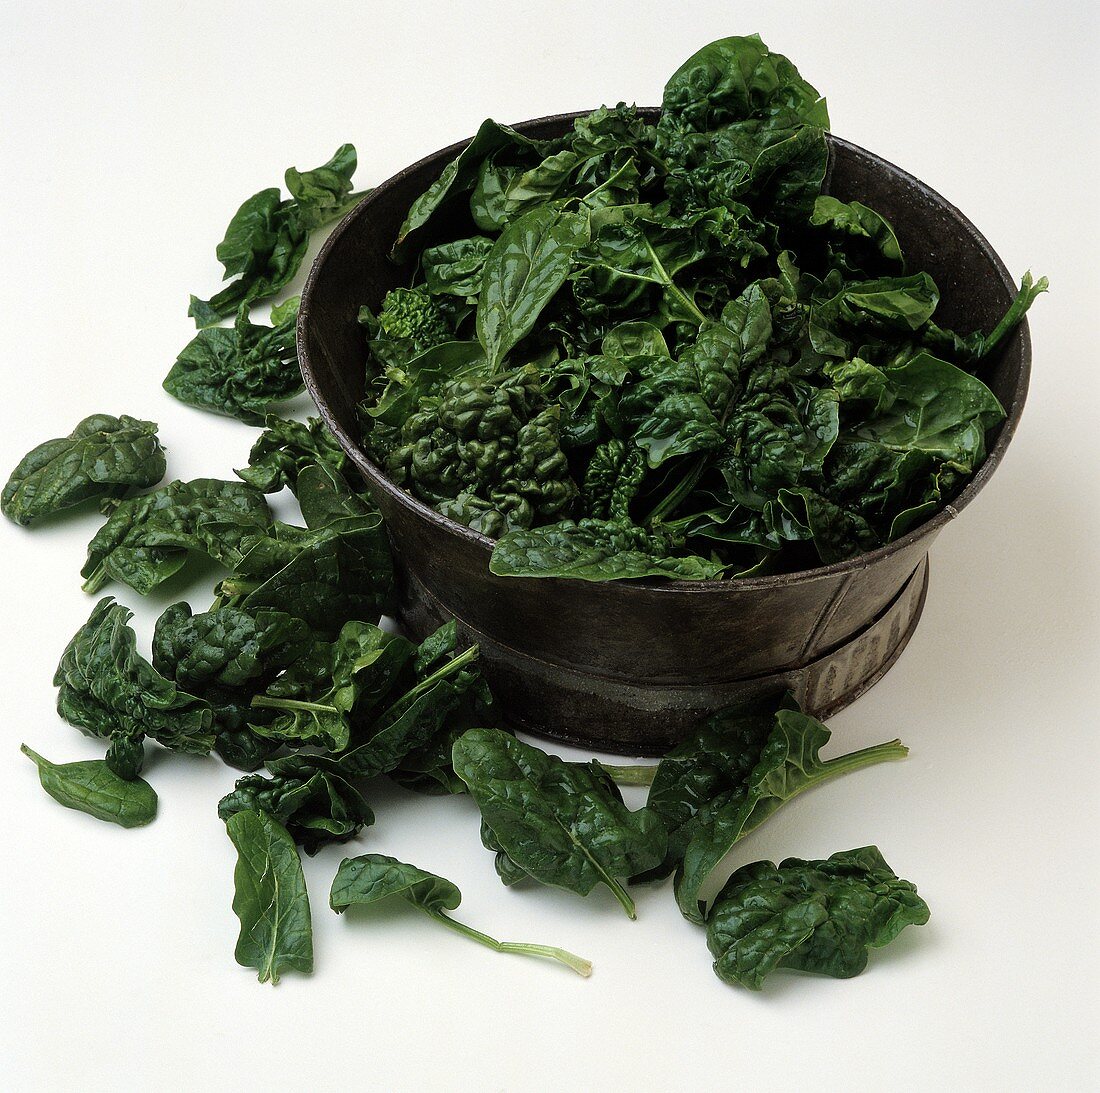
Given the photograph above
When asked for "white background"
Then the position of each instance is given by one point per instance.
(130, 133)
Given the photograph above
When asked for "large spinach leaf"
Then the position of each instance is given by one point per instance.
(527, 265)
(813, 916)
(103, 456)
(564, 824)
(270, 898)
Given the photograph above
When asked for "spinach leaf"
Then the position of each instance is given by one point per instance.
(270, 898)
(316, 696)
(415, 719)
(371, 878)
(596, 550)
(239, 371)
(455, 269)
(937, 408)
(267, 238)
(487, 452)
(325, 498)
(91, 786)
(813, 916)
(324, 194)
(107, 689)
(227, 647)
(527, 265)
(457, 177)
(735, 78)
(562, 823)
(789, 764)
(146, 539)
(284, 448)
(854, 219)
(326, 577)
(316, 807)
(102, 457)
(706, 771)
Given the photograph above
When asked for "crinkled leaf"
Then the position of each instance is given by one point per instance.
(562, 823)
(108, 690)
(102, 457)
(814, 916)
(146, 539)
(238, 371)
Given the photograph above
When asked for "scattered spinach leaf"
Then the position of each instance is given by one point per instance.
(107, 689)
(91, 786)
(371, 878)
(270, 898)
(239, 371)
(788, 765)
(813, 916)
(103, 456)
(562, 823)
(267, 238)
(147, 538)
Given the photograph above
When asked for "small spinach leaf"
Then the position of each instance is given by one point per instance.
(284, 448)
(91, 786)
(316, 807)
(371, 878)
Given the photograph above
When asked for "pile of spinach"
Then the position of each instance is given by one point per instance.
(658, 350)
(661, 350)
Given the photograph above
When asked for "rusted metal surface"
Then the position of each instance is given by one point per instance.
(629, 665)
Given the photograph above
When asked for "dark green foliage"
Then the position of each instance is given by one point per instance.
(564, 824)
(108, 690)
(284, 448)
(410, 323)
(267, 238)
(147, 538)
(731, 778)
(706, 771)
(270, 898)
(487, 452)
(371, 878)
(92, 787)
(226, 647)
(738, 367)
(326, 576)
(103, 456)
(813, 916)
(316, 807)
(239, 371)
